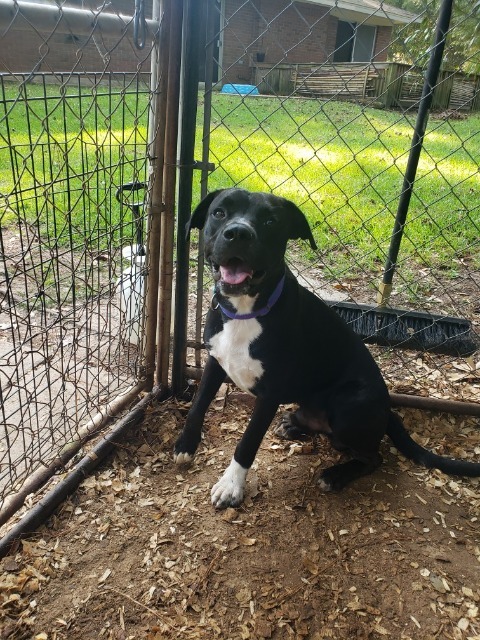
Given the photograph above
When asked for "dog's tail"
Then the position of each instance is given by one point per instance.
(414, 451)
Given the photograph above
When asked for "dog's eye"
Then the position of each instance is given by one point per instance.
(269, 221)
(219, 214)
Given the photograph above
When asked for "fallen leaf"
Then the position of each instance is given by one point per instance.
(439, 583)
(310, 565)
(263, 628)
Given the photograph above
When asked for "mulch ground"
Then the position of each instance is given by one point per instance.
(139, 552)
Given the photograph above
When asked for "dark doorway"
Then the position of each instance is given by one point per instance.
(344, 42)
(354, 43)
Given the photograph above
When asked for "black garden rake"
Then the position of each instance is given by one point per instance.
(401, 328)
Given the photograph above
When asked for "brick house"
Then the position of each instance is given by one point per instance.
(276, 32)
(24, 49)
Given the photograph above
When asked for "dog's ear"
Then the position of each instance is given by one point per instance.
(198, 217)
(299, 227)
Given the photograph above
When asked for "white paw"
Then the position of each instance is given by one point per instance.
(182, 458)
(323, 485)
(230, 489)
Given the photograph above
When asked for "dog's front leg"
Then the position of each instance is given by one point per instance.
(189, 439)
(230, 489)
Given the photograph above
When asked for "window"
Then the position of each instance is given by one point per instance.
(354, 43)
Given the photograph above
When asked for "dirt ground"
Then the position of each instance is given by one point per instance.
(139, 552)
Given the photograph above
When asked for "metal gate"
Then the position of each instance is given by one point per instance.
(106, 140)
(83, 103)
(336, 137)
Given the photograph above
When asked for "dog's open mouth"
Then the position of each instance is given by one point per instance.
(236, 273)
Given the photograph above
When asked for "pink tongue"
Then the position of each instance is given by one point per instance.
(235, 274)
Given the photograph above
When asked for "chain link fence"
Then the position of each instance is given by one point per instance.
(78, 94)
(318, 103)
(314, 101)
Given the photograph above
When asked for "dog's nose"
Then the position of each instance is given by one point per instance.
(238, 231)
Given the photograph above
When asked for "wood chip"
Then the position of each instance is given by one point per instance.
(104, 576)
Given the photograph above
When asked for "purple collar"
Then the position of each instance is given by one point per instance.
(277, 292)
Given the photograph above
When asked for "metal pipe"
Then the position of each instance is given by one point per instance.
(16, 14)
(154, 208)
(169, 180)
(47, 505)
(194, 10)
(455, 407)
(207, 116)
(431, 78)
(435, 404)
(37, 479)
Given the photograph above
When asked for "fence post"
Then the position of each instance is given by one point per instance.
(155, 192)
(476, 100)
(169, 183)
(415, 149)
(194, 12)
(211, 10)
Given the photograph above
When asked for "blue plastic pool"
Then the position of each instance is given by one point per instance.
(241, 89)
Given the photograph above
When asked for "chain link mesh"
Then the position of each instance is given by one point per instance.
(75, 103)
(330, 129)
(334, 134)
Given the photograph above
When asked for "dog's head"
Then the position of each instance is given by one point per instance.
(246, 235)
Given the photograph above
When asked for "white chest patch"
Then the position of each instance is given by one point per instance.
(231, 348)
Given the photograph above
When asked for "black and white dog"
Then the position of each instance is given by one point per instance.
(279, 342)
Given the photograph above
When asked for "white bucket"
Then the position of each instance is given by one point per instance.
(131, 286)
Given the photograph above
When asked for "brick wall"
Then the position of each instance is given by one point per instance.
(238, 37)
(26, 50)
(286, 32)
(64, 53)
(332, 37)
(384, 37)
(282, 31)
(297, 33)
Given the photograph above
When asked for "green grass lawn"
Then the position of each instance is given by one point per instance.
(342, 164)
(63, 153)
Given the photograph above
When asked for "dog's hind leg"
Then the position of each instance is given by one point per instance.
(301, 424)
(357, 429)
(289, 428)
(339, 475)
